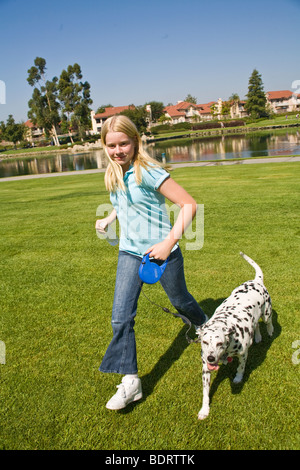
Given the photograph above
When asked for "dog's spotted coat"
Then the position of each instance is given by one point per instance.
(231, 329)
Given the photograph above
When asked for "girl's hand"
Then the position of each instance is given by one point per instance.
(101, 225)
(160, 250)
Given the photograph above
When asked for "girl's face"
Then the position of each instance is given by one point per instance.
(121, 148)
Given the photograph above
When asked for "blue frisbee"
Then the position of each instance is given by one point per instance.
(149, 271)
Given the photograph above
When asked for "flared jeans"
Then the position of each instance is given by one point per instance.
(120, 356)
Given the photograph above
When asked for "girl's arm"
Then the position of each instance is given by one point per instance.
(188, 208)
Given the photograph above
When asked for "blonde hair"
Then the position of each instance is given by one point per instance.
(114, 174)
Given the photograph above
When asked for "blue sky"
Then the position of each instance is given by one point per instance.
(134, 51)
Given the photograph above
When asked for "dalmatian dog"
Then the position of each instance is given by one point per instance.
(230, 331)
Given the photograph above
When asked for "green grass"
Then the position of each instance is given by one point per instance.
(276, 120)
(32, 150)
(57, 283)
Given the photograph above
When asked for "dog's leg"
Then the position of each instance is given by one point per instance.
(241, 367)
(270, 327)
(204, 412)
(257, 336)
(267, 317)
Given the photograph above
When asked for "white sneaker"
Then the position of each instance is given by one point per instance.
(129, 390)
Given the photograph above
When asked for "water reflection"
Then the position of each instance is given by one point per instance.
(181, 150)
(58, 162)
(228, 147)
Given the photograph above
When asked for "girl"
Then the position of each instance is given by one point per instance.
(138, 186)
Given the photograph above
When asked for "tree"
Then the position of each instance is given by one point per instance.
(234, 97)
(157, 108)
(103, 107)
(164, 119)
(191, 99)
(138, 116)
(43, 107)
(74, 96)
(225, 108)
(82, 117)
(12, 131)
(256, 103)
(234, 101)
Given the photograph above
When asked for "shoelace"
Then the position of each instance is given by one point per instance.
(121, 390)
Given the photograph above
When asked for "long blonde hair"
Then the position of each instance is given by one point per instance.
(114, 174)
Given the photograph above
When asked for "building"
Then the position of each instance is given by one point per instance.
(189, 112)
(283, 101)
(33, 133)
(237, 110)
(279, 102)
(206, 110)
(100, 118)
(182, 112)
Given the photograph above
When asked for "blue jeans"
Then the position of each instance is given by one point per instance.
(120, 356)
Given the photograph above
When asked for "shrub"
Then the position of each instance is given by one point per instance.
(206, 125)
(234, 123)
(163, 128)
(182, 126)
(217, 124)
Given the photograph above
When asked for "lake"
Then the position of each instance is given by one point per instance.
(226, 147)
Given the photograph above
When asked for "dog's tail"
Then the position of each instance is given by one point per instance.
(258, 272)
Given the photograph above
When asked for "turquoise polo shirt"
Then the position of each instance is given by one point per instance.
(141, 210)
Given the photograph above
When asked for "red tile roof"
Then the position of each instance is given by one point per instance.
(210, 103)
(205, 108)
(112, 111)
(172, 111)
(179, 109)
(279, 95)
(185, 105)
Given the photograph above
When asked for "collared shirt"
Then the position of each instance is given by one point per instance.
(141, 210)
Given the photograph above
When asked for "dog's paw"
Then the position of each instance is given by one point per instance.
(270, 329)
(203, 413)
(258, 337)
(238, 378)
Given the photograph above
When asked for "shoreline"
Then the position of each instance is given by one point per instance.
(222, 131)
(187, 135)
(171, 166)
(79, 149)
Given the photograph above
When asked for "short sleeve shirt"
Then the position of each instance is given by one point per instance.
(141, 210)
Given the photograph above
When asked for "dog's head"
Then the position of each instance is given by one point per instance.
(214, 344)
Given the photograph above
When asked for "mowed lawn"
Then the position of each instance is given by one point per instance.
(56, 292)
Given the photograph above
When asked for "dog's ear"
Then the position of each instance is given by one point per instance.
(228, 331)
(199, 334)
(231, 332)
